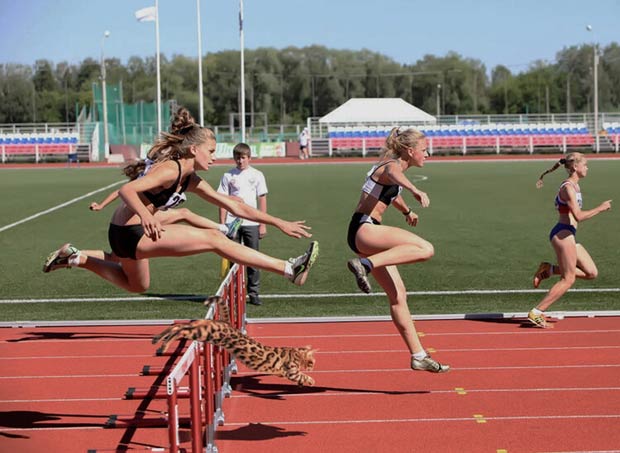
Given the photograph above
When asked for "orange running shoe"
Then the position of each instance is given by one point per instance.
(543, 272)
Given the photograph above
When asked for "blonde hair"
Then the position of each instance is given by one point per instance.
(569, 163)
(399, 140)
(173, 145)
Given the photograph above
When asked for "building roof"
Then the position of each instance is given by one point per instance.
(377, 110)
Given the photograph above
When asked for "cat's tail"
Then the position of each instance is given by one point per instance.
(179, 331)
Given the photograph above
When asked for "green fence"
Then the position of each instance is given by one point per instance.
(128, 124)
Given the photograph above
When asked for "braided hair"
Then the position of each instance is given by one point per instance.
(173, 145)
(569, 163)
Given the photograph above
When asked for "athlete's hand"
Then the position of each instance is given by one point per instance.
(412, 219)
(422, 198)
(605, 206)
(94, 206)
(295, 229)
(152, 227)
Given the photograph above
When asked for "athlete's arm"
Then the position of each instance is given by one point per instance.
(201, 188)
(395, 173)
(568, 193)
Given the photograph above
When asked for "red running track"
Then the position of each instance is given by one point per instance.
(512, 389)
(58, 387)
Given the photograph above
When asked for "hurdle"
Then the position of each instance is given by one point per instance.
(209, 369)
(217, 367)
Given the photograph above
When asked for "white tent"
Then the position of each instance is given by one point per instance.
(377, 110)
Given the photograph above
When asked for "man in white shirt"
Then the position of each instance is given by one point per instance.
(304, 138)
(249, 184)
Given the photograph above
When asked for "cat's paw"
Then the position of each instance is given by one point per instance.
(306, 381)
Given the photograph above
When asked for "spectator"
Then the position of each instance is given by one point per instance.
(304, 141)
(248, 184)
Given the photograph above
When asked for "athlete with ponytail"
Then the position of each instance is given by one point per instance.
(574, 261)
(381, 248)
(137, 234)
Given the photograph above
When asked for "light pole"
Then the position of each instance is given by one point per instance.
(438, 100)
(595, 94)
(242, 71)
(106, 138)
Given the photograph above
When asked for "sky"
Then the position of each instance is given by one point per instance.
(512, 33)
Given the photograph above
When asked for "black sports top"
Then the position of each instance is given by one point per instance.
(169, 198)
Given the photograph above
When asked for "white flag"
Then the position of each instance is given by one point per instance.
(147, 14)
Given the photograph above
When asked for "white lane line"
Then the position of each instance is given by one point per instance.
(81, 357)
(306, 337)
(63, 400)
(304, 296)
(416, 393)
(73, 376)
(68, 428)
(62, 205)
(321, 352)
(439, 419)
(534, 331)
(455, 368)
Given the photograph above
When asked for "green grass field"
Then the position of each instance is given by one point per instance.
(487, 221)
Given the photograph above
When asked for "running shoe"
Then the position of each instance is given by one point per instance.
(233, 228)
(361, 276)
(428, 364)
(539, 320)
(60, 258)
(543, 272)
(302, 264)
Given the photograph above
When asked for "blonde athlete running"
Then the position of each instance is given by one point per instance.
(381, 248)
(574, 261)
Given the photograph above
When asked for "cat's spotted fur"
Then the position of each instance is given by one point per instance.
(283, 361)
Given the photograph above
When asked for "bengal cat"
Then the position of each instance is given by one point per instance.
(283, 361)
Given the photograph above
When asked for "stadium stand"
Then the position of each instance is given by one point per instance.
(38, 144)
(472, 136)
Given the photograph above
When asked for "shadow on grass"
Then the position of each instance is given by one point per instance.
(252, 385)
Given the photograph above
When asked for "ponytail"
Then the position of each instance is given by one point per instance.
(567, 162)
(173, 145)
(399, 140)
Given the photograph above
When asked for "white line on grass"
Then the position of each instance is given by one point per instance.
(62, 205)
(304, 296)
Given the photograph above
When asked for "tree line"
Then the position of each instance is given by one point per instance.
(290, 84)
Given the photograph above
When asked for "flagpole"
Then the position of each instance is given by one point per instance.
(241, 44)
(200, 95)
(158, 73)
